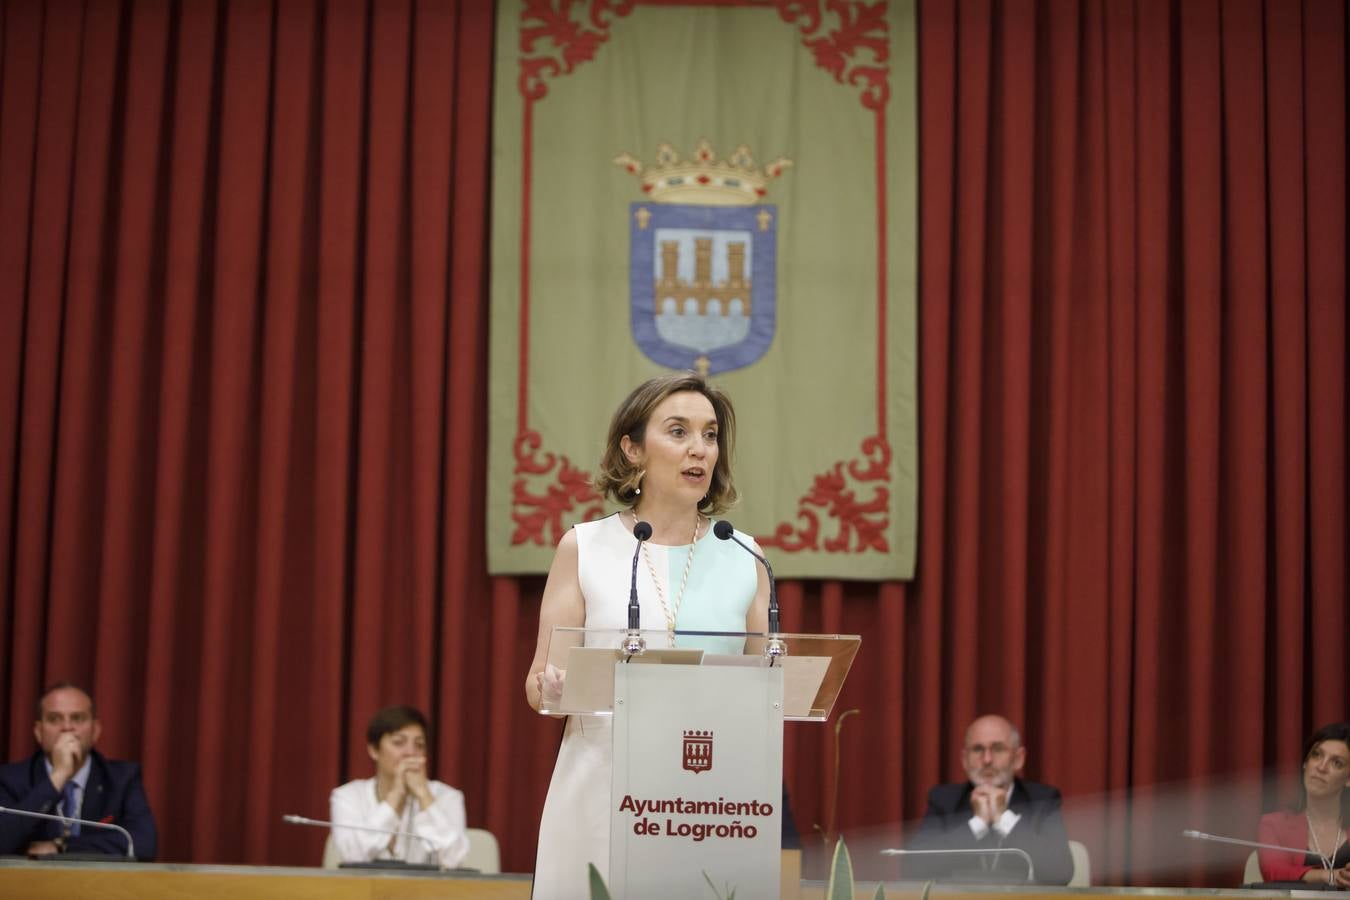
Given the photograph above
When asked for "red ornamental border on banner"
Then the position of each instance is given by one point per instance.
(861, 523)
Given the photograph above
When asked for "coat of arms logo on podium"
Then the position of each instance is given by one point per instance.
(704, 258)
(698, 749)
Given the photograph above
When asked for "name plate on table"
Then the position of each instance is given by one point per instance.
(698, 763)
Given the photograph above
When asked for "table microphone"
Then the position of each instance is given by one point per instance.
(1218, 838)
(301, 820)
(1201, 836)
(633, 643)
(1017, 851)
(726, 531)
(67, 820)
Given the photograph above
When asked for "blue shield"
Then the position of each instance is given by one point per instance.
(702, 283)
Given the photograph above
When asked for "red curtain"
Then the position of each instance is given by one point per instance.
(1134, 365)
(243, 407)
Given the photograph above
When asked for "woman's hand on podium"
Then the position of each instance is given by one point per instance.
(550, 683)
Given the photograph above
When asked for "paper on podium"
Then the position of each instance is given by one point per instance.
(589, 685)
(802, 676)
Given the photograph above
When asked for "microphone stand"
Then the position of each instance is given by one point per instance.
(67, 820)
(776, 646)
(633, 643)
(292, 819)
(1220, 839)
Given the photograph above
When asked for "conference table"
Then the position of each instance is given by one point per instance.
(24, 879)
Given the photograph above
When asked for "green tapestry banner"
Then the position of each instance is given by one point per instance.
(723, 187)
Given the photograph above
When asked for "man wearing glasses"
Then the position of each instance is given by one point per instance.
(68, 777)
(994, 810)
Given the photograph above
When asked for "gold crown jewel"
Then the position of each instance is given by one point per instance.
(705, 179)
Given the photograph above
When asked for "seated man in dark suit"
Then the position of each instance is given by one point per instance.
(68, 777)
(994, 809)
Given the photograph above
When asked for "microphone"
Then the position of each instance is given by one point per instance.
(292, 819)
(643, 532)
(1016, 851)
(724, 531)
(633, 643)
(67, 820)
(1218, 838)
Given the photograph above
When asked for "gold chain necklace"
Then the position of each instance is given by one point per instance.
(671, 612)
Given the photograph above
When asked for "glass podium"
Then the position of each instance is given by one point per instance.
(814, 665)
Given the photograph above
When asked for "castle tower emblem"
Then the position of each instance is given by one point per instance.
(703, 258)
(698, 750)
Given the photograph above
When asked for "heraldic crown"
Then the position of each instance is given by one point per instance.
(705, 179)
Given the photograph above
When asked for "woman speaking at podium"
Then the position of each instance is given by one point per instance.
(667, 462)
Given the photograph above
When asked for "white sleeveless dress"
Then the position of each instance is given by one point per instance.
(574, 829)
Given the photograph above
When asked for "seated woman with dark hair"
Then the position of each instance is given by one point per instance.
(1320, 819)
(399, 798)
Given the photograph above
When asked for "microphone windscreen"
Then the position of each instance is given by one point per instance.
(642, 531)
(723, 529)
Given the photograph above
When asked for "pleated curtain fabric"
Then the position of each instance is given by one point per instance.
(243, 406)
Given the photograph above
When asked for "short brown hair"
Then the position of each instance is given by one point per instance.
(63, 686)
(619, 479)
(392, 719)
